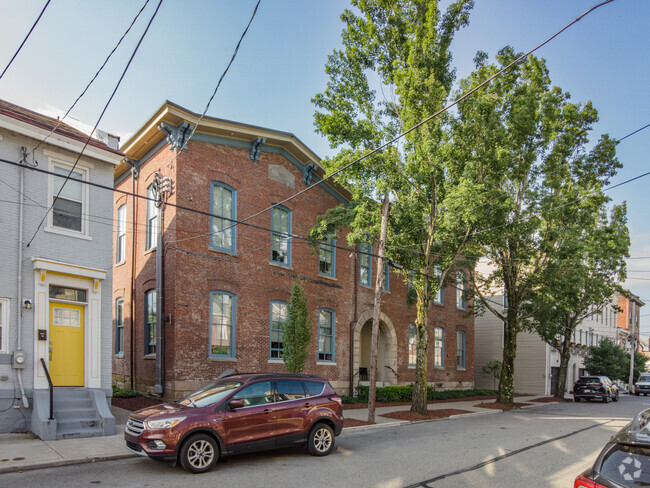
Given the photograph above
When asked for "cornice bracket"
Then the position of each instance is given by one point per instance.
(177, 137)
(256, 148)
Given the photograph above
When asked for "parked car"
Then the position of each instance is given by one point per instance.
(595, 388)
(236, 414)
(625, 459)
(642, 385)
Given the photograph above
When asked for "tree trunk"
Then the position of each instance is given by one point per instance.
(379, 285)
(506, 394)
(565, 356)
(419, 395)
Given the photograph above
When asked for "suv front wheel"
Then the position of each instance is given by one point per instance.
(321, 440)
(199, 453)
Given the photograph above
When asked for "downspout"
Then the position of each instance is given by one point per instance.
(160, 336)
(19, 305)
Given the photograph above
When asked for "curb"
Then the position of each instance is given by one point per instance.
(65, 462)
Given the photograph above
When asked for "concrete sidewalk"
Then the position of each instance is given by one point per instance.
(20, 452)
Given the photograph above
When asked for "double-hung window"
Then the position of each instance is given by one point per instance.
(120, 252)
(279, 315)
(69, 208)
(413, 344)
(439, 347)
(326, 321)
(223, 232)
(280, 236)
(222, 324)
(460, 349)
(460, 290)
(150, 322)
(365, 261)
(4, 324)
(440, 296)
(119, 326)
(327, 257)
(152, 219)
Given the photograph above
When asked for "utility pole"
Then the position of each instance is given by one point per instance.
(376, 313)
(162, 187)
(630, 388)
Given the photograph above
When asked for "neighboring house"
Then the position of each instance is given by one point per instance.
(628, 320)
(55, 294)
(226, 287)
(537, 364)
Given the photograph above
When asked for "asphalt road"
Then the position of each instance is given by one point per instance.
(542, 446)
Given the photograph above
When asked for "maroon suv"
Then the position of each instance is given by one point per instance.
(239, 413)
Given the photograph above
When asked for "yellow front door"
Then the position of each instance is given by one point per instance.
(67, 344)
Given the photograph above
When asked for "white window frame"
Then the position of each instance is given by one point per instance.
(120, 243)
(4, 325)
(151, 229)
(84, 169)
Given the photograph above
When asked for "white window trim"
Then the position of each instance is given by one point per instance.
(117, 241)
(85, 172)
(4, 332)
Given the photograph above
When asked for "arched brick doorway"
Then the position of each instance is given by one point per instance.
(387, 348)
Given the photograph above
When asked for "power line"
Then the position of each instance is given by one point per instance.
(431, 117)
(25, 39)
(60, 121)
(632, 133)
(97, 123)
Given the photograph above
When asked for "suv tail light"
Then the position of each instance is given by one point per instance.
(336, 399)
(581, 481)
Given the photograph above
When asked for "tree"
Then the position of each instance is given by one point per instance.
(534, 138)
(584, 273)
(297, 331)
(493, 367)
(401, 47)
(607, 359)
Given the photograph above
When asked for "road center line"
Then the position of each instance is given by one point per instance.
(504, 456)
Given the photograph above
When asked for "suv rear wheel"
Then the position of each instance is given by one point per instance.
(199, 453)
(321, 440)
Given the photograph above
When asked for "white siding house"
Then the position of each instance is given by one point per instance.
(55, 285)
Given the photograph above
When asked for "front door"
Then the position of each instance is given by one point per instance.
(66, 344)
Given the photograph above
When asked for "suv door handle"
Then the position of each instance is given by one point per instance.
(266, 411)
(307, 404)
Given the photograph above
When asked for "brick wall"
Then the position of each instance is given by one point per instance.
(193, 269)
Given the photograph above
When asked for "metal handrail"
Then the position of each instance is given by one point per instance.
(51, 387)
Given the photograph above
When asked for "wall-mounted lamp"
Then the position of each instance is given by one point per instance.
(27, 304)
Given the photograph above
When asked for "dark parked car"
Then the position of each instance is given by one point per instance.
(595, 388)
(239, 413)
(625, 459)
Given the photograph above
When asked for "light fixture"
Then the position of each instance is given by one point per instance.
(27, 304)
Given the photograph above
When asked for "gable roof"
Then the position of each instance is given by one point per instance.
(46, 123)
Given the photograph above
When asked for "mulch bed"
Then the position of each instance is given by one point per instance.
(352, 406)
(135, 403)
(433, 414)
(501, 406)
(550, 400)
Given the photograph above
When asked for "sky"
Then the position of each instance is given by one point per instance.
(280, 67)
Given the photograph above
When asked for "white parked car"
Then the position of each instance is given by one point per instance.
(642, 385)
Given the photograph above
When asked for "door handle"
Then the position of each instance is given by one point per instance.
(307, 404)
(266, 411)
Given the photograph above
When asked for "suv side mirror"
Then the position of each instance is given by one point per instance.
(236, 404)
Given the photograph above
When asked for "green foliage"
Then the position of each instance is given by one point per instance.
(493, 368)
(348, 400)
(124, 392)
(297, 331)
(607, 359)
(403, 393)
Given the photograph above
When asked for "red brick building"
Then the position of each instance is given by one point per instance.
(226, 287)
